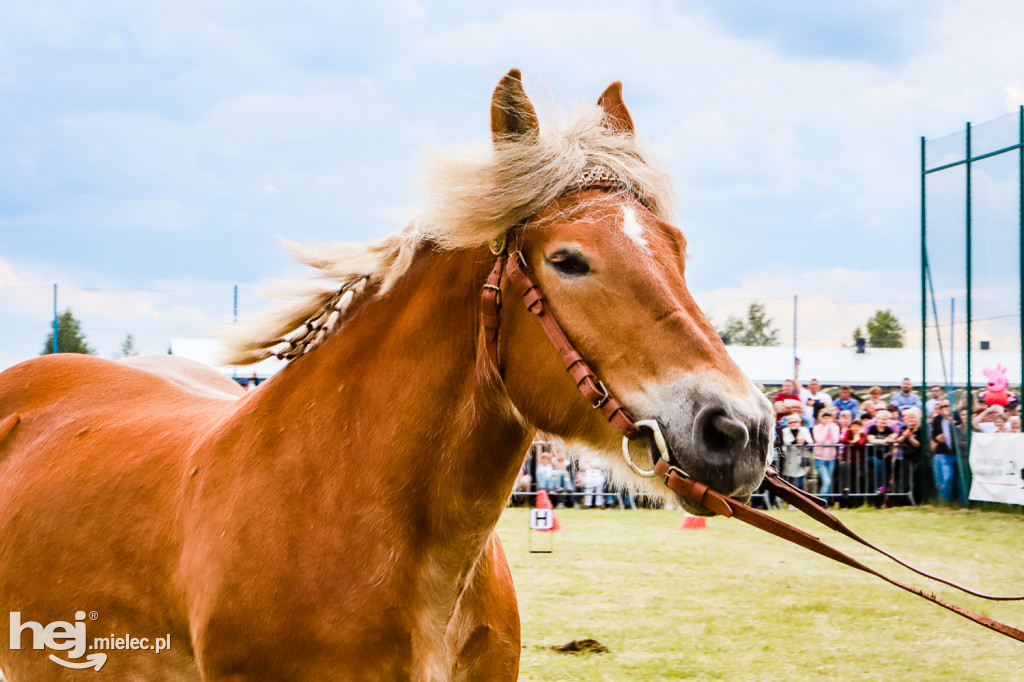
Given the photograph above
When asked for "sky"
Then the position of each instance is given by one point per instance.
(155, 154)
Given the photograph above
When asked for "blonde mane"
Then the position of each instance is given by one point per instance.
(468, 199)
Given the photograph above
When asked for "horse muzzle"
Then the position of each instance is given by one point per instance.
(716, 444)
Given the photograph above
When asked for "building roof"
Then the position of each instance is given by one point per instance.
(874, 367)
(765, 365)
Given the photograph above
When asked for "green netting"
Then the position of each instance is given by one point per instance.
(991, 218)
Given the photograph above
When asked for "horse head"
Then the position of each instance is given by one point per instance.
(612, 268)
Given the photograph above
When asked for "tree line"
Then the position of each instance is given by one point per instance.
(71, 338)
(884, 329)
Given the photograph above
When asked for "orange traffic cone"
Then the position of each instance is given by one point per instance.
(691, 522)
(544, 502)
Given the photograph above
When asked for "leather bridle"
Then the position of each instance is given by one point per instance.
(509, 260)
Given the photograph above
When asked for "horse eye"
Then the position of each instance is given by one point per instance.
(569, 263)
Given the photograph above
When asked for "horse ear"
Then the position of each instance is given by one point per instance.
(512, 115)
(616, 115)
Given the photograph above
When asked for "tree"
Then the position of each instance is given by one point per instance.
(756, 330)
(128, 348)
(857, 334)
(885, 330)
(70, 338)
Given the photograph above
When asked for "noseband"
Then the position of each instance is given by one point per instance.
(509, 260)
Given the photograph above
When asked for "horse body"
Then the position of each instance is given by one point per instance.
(254, 535)
(338, 522)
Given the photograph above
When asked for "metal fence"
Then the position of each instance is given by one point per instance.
(847, 474)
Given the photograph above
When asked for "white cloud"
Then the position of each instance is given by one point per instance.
(158, 140)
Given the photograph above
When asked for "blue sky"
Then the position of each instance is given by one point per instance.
(154, 154)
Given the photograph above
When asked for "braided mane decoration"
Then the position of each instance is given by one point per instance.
(468, 199)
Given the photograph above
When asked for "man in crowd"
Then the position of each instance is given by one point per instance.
(814, 400)
(847, 402)
(944, 456)
(788, 392)
(936, 394)
(906, 397)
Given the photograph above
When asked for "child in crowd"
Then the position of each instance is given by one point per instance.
(845, 419)
(852, 462)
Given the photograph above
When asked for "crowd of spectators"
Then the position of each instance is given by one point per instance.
(579, 482)
(873, 447)
(845, 446)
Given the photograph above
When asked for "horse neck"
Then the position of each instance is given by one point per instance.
(402, 398)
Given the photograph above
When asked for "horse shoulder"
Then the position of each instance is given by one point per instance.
(484, 634)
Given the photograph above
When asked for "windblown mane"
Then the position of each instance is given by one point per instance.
(468, 199)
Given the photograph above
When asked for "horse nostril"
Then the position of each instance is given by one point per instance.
(721, 433)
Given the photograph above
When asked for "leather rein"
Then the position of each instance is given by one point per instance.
(510, 262)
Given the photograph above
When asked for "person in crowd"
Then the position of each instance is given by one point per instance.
(960, 428)
(592, 480)
(881, 436)
(787, 393)
(844, 420)
(906, 397)
(851, 466)
(543, 472)
(846, 402)
(796, 407)
(784, 409)
(559, 483)
(814, 400)
(524, 484)
(1013, 424)
(895, 416)
(825, 432)
(875, 394)
(907, 453)
(989, 419)
(796, 460)
(868, 408)
(935, 394)
(943, 455)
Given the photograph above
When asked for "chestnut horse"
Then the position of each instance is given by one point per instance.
(338, 522)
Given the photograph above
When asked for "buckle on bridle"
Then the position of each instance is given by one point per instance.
(495, 289)
(659, 443)
(599, 385)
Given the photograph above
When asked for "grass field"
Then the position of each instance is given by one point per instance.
(733, 603)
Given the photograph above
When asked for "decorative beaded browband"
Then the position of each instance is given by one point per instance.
(602, 178)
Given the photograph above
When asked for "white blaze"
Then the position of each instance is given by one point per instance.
(632, 227)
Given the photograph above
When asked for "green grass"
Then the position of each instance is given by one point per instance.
(733, 603)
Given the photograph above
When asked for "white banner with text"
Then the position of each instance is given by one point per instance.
(997, 467)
